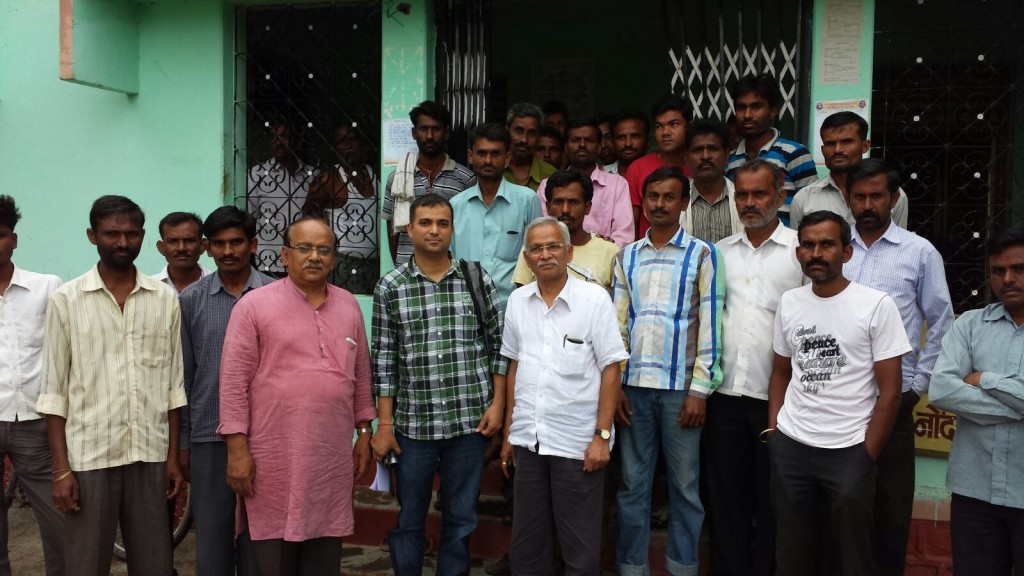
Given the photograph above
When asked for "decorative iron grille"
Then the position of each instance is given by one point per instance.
(463, 28)
(315, 69)
(714, 44)
(948, 112)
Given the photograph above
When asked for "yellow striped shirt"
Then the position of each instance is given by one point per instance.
(112, 375)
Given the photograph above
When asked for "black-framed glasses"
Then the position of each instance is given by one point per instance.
(306, 250)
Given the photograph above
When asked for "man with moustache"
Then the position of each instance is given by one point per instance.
(844, 141)
(439, 379)
(428, 171)
(551, 147)
(756, 102)
(568, 198)
(611, 214)
(629, 137)
(671, 114)
(524, 122)
(294, 388)
(760, 265)
(978, 376)
(833, 396)
(205, 309)
(669, 300)
(23, 300)
(606, 154)
(112, 393)
(711, 214)
(562, 389)
(276, 191)
(490, 217)
(911, 271)
(181, 243)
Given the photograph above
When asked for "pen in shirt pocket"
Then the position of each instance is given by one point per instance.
(512, 232)
(350, 341)
(568, 338)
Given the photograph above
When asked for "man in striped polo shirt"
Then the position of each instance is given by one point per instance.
(756, 101)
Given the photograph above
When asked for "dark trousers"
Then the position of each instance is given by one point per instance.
(987, 538)
(555, 496)
(315, 557)
(25, 443)
(809, 485)
(894, 496)
(213, 508)
(133, 495)
(738, 476)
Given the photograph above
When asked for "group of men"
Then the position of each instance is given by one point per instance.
(655, 315)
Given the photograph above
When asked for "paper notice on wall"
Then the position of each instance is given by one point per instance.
(840, 41)
(825, 108)
(396, 141)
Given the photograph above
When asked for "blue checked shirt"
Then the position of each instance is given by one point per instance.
(910, 270)
(430, 354)
(205, 309)
(669, 304)
(793, 158)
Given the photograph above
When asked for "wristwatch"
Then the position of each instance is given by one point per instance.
(604, 434)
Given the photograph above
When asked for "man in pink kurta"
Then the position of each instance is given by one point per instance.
(295, 385)
(611, 214)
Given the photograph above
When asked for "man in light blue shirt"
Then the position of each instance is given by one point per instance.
(910, 270)
(491, 216)
(978, 376)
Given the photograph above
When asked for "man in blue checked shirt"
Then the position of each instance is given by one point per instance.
(439, 379)
(910, 270)
(669, 300)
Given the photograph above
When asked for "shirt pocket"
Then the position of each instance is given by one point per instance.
(30, 330)
(573, 361)
(152, 348)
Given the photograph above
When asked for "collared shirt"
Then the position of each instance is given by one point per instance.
(638, 171)
(539, 171)
(712, 222)
(558, 380)
(591, 262)
(612, 168)
(494, 235)
(910, 270)
(430, 354)
(987, 459)
(113, 375)
(295, 379)
(611, 212)
(793, 158)
(757, 278)
(826, 195)
(22, 311)
(669, 304)
(205, 309)
(165, 277)
(452, 179)
(275, 197)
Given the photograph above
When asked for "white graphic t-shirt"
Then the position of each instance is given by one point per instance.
(833, 344)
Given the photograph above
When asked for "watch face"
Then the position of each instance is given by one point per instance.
(605, 434)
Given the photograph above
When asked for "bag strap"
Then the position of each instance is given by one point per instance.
(475, 278)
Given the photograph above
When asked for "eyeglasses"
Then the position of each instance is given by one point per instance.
(306, 249)
(539, 249)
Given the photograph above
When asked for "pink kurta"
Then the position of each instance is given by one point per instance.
(296, 380)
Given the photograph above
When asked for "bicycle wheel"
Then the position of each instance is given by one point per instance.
(181, 523)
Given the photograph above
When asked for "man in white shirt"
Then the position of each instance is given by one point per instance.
(844, 141)
(760, 265)
(832, 400)
(111, 392)
(561, 395)
(181, 243)
(23, 298)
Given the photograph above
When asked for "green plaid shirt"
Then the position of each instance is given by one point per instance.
(429, 352)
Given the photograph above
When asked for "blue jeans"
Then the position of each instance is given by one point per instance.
(460, 461)
(654, 425)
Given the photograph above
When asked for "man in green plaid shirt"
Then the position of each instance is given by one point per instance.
(439, 379)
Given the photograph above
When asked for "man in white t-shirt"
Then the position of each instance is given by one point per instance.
(832, 401)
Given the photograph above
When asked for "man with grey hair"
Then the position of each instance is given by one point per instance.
(523, 122)
(560, 398)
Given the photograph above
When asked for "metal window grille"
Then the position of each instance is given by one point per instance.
(315, 68)
(463, 28)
